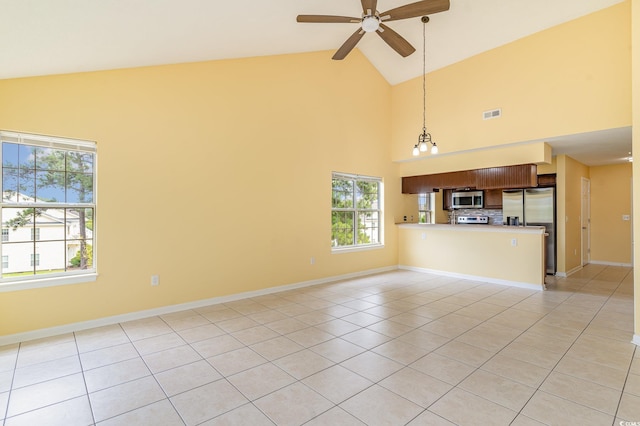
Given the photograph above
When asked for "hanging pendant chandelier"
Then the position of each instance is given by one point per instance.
(424, 140)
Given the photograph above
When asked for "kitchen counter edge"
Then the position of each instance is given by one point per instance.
(475, 228)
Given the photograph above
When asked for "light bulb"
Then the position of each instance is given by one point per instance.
(370, 24)
(434, 149)
(423, 147)
(416, 151)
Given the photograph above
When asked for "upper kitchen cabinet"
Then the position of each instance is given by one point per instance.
(420, 184)
(493, 199)
(547, 180)
(428, 183)
(520, 176)
(508, 177)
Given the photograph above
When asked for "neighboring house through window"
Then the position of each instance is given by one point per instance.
(356, 211)
(48, 206)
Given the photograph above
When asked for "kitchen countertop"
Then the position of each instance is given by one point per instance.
(477, 228)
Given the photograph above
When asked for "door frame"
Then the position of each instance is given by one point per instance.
(585, 221)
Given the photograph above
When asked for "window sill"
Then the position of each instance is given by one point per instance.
(28, 284)
(336, 250)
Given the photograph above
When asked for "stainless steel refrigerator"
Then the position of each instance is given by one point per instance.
(533, 207)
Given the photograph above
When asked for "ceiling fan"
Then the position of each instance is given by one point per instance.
(372, 21)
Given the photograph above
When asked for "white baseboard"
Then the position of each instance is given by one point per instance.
(566, 274)
(530, 286)
(100, 322)
(602, 262)
(636, 339)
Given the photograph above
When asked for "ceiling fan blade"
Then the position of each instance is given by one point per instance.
(348, 45)
(369, 6)
(420, 8)
(327, 19)
(396, 41)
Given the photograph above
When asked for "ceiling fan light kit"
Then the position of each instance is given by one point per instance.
(370, 24)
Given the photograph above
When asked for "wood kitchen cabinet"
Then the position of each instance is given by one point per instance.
(446, 199)
(421, 184)
(507, 177)
(493, 198)
(547, 180)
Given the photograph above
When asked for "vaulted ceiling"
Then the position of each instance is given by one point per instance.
(42, 37)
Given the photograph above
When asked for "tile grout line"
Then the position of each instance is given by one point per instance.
(569, 348)
(84, 379)
(13, 376)
(184, 422)
(551, 370)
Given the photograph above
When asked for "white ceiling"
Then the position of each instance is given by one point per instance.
(41, 37)
(611, 146)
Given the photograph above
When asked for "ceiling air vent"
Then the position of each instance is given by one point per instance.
(494, 113)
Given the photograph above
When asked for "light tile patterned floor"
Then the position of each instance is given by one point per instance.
(400, 348)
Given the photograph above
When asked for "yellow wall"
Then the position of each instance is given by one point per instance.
(572, 78)
(610, 200)
(468, 250)
(214, 175)
(547, 84)
(636, 164)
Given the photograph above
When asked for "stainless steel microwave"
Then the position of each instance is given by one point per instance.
(467, 200)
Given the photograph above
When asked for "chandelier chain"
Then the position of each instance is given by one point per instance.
(424, 75)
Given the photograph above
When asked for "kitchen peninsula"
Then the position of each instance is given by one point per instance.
(508, 255)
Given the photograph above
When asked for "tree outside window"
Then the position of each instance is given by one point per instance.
(356, 211)
(424, 208)
(48, 205)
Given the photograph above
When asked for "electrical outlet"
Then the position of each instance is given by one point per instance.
(626, 217)
(514, 242)
(313, 261)
(155, 280)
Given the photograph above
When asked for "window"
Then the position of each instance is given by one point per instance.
(48, 206)
(356, 211)
(5, 262)
(424, 208)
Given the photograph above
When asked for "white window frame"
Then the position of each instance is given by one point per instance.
(15, 283)
(379, 210)
(425, 207)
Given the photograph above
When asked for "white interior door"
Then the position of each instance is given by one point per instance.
(585, 221)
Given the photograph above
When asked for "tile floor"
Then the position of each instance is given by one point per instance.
(400, 348)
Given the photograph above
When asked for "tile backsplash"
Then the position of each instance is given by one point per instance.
(495, 216)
